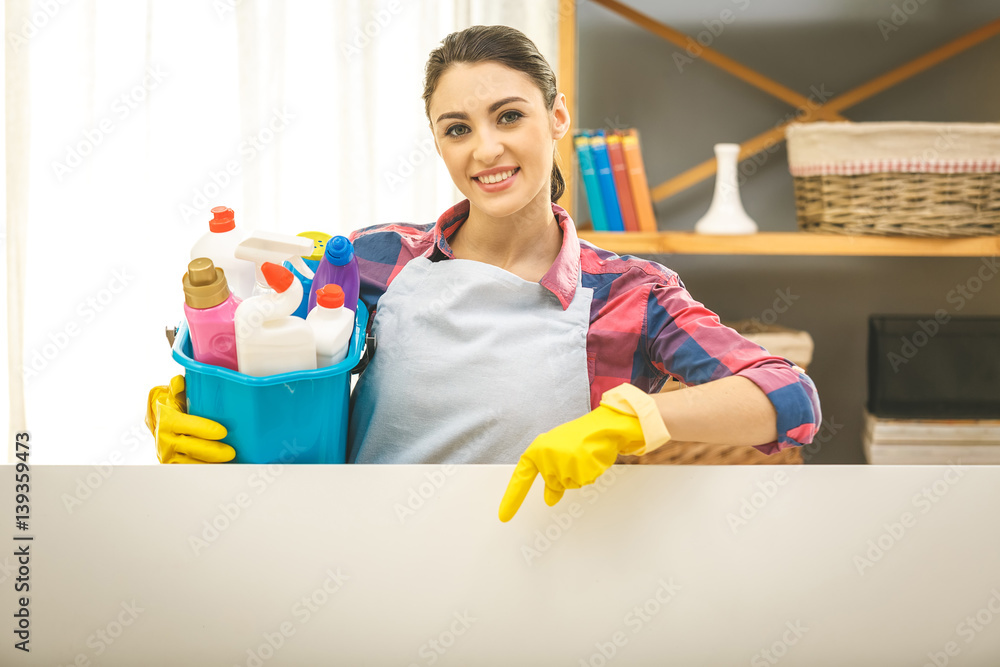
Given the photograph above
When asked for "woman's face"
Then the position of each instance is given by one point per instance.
(496, 136)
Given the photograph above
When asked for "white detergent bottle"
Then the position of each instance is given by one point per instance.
(219, 245)
(263, 246)
(269, 339)
(332, 323)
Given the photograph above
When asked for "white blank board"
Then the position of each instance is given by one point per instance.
(409, 565)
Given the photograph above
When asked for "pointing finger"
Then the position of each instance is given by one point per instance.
(553, 495)
(517, 489)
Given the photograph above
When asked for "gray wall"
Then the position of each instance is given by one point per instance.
(628, 77)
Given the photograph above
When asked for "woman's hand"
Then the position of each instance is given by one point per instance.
(578, 452)
(180, 437)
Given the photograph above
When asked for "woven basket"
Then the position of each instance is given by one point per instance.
(896, 179)
(797, 347)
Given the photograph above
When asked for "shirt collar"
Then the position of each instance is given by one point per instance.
(562, 277)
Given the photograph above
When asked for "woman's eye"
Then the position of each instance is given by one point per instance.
(456, 130)
(508, 117)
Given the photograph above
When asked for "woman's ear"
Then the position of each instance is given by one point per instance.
(560, 117)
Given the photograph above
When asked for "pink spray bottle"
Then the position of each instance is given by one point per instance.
(210, 309)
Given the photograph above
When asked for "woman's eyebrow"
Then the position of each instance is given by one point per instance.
(461, 115)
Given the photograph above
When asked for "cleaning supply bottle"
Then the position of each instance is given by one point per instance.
(210, 310)
(263, 246)
(332, 324)
(319, 240)
(339, 266)
(219, 245)
(269, 339)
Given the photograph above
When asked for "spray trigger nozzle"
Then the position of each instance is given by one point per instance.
(261, 247)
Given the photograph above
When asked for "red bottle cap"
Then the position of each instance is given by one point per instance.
(277, 276)
(330, 296)
(223, 219)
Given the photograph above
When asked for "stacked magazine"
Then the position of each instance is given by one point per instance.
(931, 441)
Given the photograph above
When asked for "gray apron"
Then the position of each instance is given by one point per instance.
(473, 362)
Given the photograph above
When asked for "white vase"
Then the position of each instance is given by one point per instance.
(726, 214)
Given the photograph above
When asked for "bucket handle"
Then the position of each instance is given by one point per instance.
(370, 345)
(171, 333)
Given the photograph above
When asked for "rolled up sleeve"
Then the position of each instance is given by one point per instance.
(687, 341)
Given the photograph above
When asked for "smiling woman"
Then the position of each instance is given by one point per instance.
(497, 323)
(498, 154)
(503, 338)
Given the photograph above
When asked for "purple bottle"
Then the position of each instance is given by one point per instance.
(339, 266)
(210, 308)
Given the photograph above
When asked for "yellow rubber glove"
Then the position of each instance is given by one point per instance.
(576, 453)
(180, 437)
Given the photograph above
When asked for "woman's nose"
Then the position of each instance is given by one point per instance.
(488, 148)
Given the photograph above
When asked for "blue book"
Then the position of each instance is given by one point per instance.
(590, 184)
(609, 194)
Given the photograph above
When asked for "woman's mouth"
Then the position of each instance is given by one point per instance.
(497, 181)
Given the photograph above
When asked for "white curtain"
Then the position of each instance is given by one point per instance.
(298, 115)
(16, 148)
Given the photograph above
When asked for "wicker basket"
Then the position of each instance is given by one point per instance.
(902, 179)
(797, 347)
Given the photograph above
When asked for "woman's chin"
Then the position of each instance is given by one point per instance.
(497, 207)
(508, 204)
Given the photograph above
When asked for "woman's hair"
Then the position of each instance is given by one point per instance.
(501, 44)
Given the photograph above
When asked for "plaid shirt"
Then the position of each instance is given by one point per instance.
(644, 326)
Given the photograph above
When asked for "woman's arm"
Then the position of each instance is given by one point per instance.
(737, 392)
(728, 411)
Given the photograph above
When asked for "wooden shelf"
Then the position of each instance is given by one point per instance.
(791, 243)
(806, 109)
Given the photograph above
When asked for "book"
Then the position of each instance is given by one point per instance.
(591, 186)
(614, 179)
(641, 198)
(602, 164)
(930, 441)
(889, 430)
(923, 454)
(620, 173)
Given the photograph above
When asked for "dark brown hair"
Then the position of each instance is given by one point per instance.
(501, 44)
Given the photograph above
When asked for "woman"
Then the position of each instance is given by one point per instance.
(497, 324)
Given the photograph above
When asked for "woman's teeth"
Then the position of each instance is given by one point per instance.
(496, 178)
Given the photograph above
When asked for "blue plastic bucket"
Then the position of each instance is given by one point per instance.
(298, 417)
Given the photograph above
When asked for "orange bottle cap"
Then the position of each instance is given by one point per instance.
(223, 219)
(330, 296)
(277, 276)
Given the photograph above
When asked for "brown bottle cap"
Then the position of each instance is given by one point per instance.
(205, 284)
